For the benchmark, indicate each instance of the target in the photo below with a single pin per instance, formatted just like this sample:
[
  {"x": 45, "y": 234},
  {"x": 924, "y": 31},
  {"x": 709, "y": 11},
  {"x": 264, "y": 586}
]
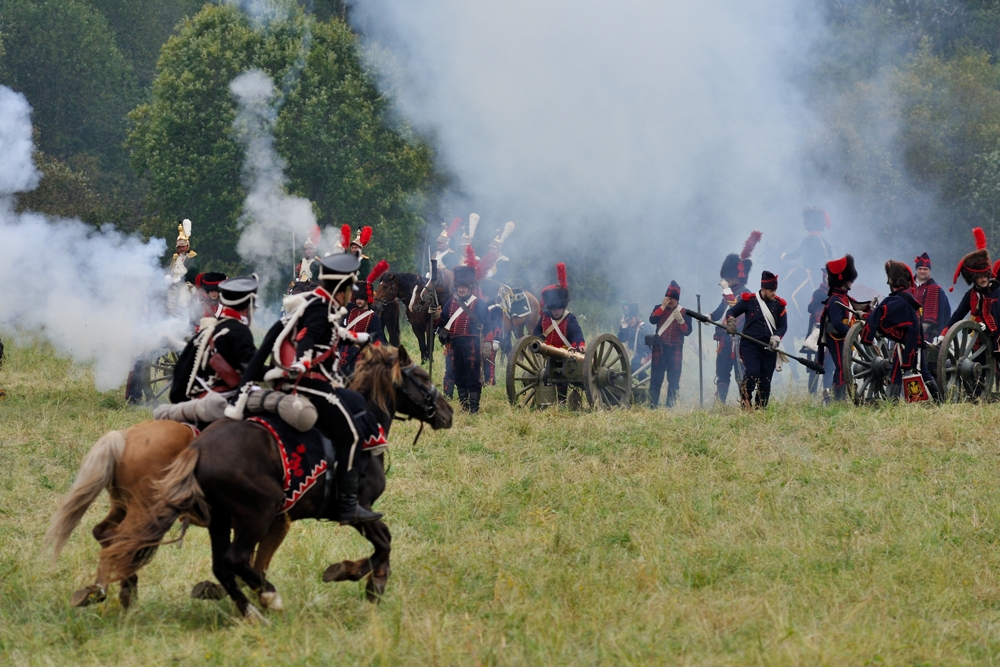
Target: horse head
[
  {"x": 387, "y": 292},
  {"x": 388, "y": 377}
]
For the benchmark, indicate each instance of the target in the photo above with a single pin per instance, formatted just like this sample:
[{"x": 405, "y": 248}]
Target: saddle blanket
[
  {"x": 519, "y": 306},
  {"x": 301, "y": 454}
]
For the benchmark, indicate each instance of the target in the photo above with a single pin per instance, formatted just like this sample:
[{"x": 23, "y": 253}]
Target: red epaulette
[
  {"x": 781, "y": 301},
  {"x": 748, "y": 295}
]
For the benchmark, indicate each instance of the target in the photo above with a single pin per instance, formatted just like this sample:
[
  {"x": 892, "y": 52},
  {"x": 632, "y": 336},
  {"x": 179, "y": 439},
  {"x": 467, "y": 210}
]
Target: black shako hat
[{"x": 237, "y": 292}]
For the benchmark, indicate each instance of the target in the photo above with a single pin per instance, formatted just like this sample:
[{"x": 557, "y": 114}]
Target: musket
[
  {"x": 432, "y": 286},
  {"x": 811, "y": 365}
]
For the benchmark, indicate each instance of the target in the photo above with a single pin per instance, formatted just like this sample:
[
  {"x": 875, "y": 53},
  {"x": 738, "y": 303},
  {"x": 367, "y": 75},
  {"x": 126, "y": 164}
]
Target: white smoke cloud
[
  {"x": 271, "y": 217},
  {"x": 667, "y": 129},
  {"x": 94, "y": 294}
]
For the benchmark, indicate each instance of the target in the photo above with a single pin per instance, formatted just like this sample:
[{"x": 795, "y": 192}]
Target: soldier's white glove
[
  {"x": 676, "y": 315},
  {"x": 496, "y": 345},
  {"x": 775, "y": 342},
  {"x": 982, "y": 325}
]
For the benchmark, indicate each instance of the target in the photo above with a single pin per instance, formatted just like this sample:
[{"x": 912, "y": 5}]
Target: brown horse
[
  {"x": 126, "y": 463},
  {"x": 231, "y": 478},
  {"x": 405, "y": 288}
]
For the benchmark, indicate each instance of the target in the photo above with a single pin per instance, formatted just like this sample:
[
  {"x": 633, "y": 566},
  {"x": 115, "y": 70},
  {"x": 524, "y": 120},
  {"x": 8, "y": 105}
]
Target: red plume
[
  {"x": 366, "y": 235},
  {"x": 470, "y": 257},
  {"x": 377, "y": 272},
  {"x": 454, "y": 226},
  {"x": 315, "y": 234},
  {"x": 345, "y": 237},
  {"x": 487, "y": 262},
  {"x": 750, "y": 244},
  {"x": 561, "y": 274},
  {"x": 980, "y": 238}
]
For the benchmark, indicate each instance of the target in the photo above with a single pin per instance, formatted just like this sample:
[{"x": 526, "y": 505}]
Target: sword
[{"x": 811, "y": 365}]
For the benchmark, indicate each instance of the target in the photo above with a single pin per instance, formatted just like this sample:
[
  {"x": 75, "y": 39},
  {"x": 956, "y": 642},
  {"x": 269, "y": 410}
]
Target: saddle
[
  {"x": 305, "y": 458},
  {"x": 514, "y": 301}
]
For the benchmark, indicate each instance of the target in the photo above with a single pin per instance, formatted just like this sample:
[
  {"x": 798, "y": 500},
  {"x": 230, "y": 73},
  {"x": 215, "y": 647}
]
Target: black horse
[
  {"x": 231, "y": 477},
  {"x": 405, "y": 288}
]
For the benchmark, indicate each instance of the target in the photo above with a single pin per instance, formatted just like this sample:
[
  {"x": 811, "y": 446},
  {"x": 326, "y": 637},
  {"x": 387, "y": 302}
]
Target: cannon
[
  {"x": 536, "y": 370},
  {"x": 963, "y": 364},
  {"x": 867, "y": 368}
]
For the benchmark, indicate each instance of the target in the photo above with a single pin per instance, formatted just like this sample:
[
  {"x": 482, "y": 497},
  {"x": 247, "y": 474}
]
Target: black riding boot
[
  {"x": 722, "y": 391},
  {"x": 348, "y": 509},
  {"x": 463, "y": 398},
  {"x": 474, "y": 395}
]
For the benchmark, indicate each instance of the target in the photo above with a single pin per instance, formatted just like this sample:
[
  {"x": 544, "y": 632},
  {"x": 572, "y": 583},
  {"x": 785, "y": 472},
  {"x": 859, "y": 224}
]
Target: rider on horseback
[{"x": 304, "y": 346}]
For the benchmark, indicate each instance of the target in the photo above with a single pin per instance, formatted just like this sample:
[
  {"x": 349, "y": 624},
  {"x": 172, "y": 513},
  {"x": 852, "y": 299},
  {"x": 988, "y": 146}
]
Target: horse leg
[
  {"x": 103, "y": 532},
  {"x": 130, "y": 588},
  {"x": 269, "y": 597},
  {"x": 375, "y": 567},
  {"x": 218, "y": 531}
]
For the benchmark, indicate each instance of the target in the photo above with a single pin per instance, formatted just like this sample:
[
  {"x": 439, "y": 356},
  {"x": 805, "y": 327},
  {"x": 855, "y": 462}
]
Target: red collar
[
  {"x": 322, "y": 293},
  {"x": 226, "y": 311}
]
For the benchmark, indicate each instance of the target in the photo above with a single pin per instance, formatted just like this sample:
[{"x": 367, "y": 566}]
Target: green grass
[{"x": 803, "y": 535}]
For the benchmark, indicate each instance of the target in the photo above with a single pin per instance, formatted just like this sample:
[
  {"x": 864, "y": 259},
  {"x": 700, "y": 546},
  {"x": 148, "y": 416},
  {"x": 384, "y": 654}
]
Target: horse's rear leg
[
  {"x": 130, "y": 589},
  {"x": 269, "y": 597},
  {"x": 104, "y": 532},
  {"x": 232, "y": 559}
]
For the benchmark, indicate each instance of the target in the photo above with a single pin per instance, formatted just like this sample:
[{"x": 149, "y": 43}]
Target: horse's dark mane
[
  {"x": 377, "y": 375},
  {"x": 406, "y": 283}
]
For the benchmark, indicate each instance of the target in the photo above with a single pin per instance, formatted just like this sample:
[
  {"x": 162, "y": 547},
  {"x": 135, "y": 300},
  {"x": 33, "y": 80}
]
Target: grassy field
[{"x": 803, "y": 535}]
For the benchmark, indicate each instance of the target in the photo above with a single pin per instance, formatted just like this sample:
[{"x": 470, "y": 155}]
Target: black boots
[
  {"x": 463, "y": 398},
  {"x": 348, "y": 509},
  {"x": 474, "y": 401}
]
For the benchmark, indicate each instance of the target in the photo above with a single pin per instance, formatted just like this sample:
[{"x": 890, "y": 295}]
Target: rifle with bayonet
[{"x": 811, "y": 365}]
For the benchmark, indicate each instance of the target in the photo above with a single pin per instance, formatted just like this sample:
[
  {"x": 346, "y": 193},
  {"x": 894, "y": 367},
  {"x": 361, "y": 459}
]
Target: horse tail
[
  {"x": 97, "y": 471},
  {"x": 177, "y": 493}
]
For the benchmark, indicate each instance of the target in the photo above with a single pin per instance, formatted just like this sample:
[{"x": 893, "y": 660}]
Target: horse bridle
[
  {"x": 393, "y": 295},
  {"x": 427, "y": 400}
]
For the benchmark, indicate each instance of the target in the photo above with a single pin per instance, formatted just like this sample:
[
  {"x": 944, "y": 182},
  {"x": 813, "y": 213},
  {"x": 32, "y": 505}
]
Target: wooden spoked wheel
[
  {"x": 640, "y": 383},
  {"x": 607, "y": 374},
  {"x": 966, "y": 369},
  {"x": 525, "y": 373},
  {"x": 866, "y": 367},
  {"x": 158, "y": 375}
]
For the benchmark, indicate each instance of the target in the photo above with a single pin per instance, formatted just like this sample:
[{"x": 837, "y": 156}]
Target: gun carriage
[{"x": 536, "y": 369}]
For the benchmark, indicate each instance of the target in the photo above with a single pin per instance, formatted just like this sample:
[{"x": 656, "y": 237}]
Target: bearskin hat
[
  {"x": 975, "y": 263},
  {"x": 737, "y": 267},
  {"x": 841, "y": 271},
  {"x": 630, "y": 310},
  {"x": 465, "y": 275},
  {"x": 209, "y": 281},
  {"x": 557, "y": 296},
  {"x": 899, "y": 274},
  {"x": 815, "y": 219}
]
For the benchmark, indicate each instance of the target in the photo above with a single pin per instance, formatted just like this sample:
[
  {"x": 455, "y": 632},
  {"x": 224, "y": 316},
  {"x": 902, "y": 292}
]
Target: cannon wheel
[
  {"x": 158, "y": 375},
  {"x": 524, "y": 373},
  {"x": 866, "y": 367},
  {"x": 640, "y": 383},
  {"x": 965, "y": 365},
  {"x": 607, "y": 375}
]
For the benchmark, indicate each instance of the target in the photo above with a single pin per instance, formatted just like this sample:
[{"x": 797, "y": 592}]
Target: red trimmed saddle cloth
[{"x": 302, "y": 457}]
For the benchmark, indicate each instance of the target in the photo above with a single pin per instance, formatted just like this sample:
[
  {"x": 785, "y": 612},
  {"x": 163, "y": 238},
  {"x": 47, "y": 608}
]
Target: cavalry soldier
[
  {"x": 207, "y": 289},
  {"x": 443, "y": 256},
  {"x": 307, "y": 270},
  {"x": 184, "y": 268},
  {"x": 766, "y": 320},
  {"x": 465, "y": 256},
  {"x": 835, "y": 321},
  {"x": 982, "y": 301},
  {"x": 496, "y": 248},
  {"x": 362, "y": 319},
  {"x": 931, "y": 297},
  {"x": 898, "y": 319},
  {"x": 672, "y": 324},
  {"x": 358, "y": 245},
  {"x": 215, "y": 358},
  {"x": 632, "y": 332},
  {"x": 307, "y": 340},
  {"x": 814, "y": 251},
  {"x": 735, "y": 269},
  {"x": 465, "y": 323}
]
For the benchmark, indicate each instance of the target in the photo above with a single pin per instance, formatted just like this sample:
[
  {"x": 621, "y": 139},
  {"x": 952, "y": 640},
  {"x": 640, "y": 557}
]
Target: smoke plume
[{"x": 95, "y": 295}]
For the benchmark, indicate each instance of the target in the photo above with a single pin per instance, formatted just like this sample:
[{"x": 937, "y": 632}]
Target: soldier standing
[
  {"x": 362, "y": 319},
  {"x": 184, "y": 268},
  {"x": 898, "y": 319},
  {"x": 357, "y": 246},
  {"x": 982, "y": 301},
  {"x": 557, "y": 326},
  {"x": 672, "y": 324},
  {"x": 215, "y": 358},
  {"x": 811, "y": 345},
  {"x": 766, "y": 320},
  {"x": 307, "y": 270},
  {"x": 735, "y": 269},
  {"x": 836, "y": 320},
  {"x": 464, "y": 320},
  {"x": 632, "y": 332},
  {"x": 936, "y": 310}
]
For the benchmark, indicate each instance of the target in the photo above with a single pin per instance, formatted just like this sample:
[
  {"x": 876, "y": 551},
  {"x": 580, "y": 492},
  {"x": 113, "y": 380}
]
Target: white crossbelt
[
  {"x": 359, "y": 318},
  {"x": 768, "y": 316},
  {"x": 459, "y": 311},
  {"x": 555, "y": 327},
  {"x": 665, "y": 325}
]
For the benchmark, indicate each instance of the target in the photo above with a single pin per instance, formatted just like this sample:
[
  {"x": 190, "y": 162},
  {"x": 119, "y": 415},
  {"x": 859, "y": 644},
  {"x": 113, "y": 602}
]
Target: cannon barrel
[{"x": 538, "y": 347}]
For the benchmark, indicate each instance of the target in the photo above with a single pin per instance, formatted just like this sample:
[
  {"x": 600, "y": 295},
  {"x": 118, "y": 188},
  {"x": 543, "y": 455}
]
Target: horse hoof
[
  {"x": 253, "y": 615},
  {"x": 375, "y": 590},
  {"x": 208, "y": 590},
  {"x": 336, "y": 572},
  {"x": 88, "y": 595},
  {"x": 125, "y": 598},
  {"x": 271, "y": 601}
]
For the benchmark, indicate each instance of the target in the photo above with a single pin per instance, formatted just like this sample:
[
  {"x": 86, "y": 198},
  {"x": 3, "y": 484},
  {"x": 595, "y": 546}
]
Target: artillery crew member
[
  {"x": 814, "y": 251},
  {"x": 766, "y": 320},
  {"x": 307, "y": 270},
  {"x": 812, "y": 342},
  {"x": 982, "y": 301},
  {"x": 836, "y": 320},
  {"x": 672, "y": 324},
  {"x": 735, "y": 269},
  {"x": 936, "y": 310},
  {"x": 898, "y": 319},
  {"x": 215, "y": 358},
  {"x": 362, "y": 319},
  {"x": 632, "y": 332},
  {"x": 207, "y": 285},
  {"x": 464, "y": 323},
  {"x": 557, "y": 326}
]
